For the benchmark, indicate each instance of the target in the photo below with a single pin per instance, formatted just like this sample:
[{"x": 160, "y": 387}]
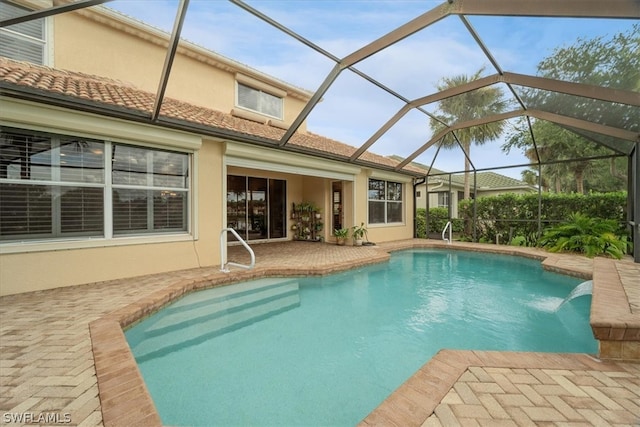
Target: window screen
[{"x": 259, "y": 101}]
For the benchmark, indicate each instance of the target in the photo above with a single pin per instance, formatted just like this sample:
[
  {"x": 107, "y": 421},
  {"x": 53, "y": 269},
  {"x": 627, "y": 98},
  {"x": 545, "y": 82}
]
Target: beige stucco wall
[
  {"x": 86, "y": 46},
  {"x": 383, "y": 232},
  {"x": 118, "y": 54}
]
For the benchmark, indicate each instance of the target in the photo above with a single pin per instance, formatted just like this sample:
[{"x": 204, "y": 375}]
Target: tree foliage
[
  {"x": 471, "y": 105},
  {"x": 609, "y": 62}
]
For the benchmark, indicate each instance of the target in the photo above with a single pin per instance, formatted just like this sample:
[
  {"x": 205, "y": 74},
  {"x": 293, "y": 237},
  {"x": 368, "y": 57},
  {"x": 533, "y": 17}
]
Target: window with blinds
[
  {"x": 385, "y": 202},
  {"x": 25, "y": 41},
  {"x": 150, "y": 189},
  {"x": 259, "y": 101},
  {"x": 54, "y": 186}
]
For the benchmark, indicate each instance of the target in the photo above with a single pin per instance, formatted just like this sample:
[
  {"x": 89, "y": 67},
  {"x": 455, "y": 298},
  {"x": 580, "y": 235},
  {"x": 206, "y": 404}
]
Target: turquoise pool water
[{"x": 327, "y": 350}]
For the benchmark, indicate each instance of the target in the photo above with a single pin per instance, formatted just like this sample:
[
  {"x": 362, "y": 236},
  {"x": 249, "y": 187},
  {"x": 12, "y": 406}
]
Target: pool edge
[{"x": 125, "y": 399}]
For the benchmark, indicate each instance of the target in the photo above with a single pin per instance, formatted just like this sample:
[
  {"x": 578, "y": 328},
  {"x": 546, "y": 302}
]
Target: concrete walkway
[{"x": 63, "y": 358}]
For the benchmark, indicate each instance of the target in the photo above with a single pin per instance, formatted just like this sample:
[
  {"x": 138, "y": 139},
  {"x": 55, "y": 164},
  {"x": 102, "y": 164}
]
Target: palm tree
[
  {"x": 468, "y": 106},
  {"x": 556, "y": 143}
]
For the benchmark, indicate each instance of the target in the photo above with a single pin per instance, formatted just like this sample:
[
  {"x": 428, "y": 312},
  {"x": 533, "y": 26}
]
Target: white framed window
[
  {"x": 259, "y": 101},
  {"x": 59, "y": 187},
  {"x": 26, "y": 41},
  {"x": 443, "y": 199},
  {"x": 385, "y": 202},
  {"x": 150, "y": 190}
]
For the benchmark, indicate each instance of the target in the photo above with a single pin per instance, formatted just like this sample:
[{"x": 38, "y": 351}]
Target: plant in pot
[
  {"x": 341, "y": 235},
  {"x": 359, "y": 232}
]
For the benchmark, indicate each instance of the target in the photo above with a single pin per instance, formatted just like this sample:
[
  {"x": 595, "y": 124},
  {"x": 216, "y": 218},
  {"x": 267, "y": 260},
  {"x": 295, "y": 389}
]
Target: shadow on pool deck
[{"x": 50, "y": 362}]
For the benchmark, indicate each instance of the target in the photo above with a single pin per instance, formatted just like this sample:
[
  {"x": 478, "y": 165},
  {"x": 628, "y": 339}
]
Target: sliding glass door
[{"x": 256, "y": 207}]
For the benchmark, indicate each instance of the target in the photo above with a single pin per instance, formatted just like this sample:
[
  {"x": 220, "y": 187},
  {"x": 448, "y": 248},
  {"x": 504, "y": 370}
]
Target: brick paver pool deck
[{"x": 64, "y": 359}]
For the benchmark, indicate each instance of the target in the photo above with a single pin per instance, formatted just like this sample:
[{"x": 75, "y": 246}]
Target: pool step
[{"x": 203, "y": 315}]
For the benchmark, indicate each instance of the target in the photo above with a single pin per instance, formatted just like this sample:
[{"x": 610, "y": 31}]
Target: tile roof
[
  {"x": 496, "y": 180},
  {"x": 484, "y": 180},
  {"x": 105, "y": 92}
]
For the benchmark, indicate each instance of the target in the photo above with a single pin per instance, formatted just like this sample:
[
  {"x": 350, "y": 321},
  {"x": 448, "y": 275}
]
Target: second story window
[
  {"x": 25, "y": 41},
  {"x": 260, "y": 101}
]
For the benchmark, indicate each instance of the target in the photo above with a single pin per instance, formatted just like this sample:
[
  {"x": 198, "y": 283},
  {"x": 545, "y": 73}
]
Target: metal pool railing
[{"x": 223, "y": 251}]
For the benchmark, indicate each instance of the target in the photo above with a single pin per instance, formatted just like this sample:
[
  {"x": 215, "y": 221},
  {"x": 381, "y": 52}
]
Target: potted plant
[
  {"x": 341, "y": 235},
  {"x": 359, "y": 231}
]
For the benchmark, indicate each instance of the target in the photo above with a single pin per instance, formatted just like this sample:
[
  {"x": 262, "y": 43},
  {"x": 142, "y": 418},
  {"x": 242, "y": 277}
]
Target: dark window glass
[
  {"x": 277, "y": 208},
  {"x": 52, "y": 186},
  {"x": 385, "y": 201},
  {"x": 159, "y": 200},
  {"x": 256, "y": 207}
]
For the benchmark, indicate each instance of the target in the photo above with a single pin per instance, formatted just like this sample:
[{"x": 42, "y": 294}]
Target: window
[
  {"x": 25, "y": 41},
  {"x": 443, "y": 199},
  {"x": 461, "y": 195},
  {"x": 150, "y": 190},
  {"x": 259, "y": 101},
  {"x": 385, "y": 202},
  {"x": 54, "y": 186}
]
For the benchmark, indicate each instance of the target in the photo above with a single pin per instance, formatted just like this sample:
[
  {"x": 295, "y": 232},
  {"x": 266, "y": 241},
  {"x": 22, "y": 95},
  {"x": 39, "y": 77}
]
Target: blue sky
[{"x": 353, "y": 109}]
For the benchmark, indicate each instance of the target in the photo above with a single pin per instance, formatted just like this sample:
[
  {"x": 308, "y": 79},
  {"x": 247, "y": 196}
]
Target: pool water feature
[{"x": 327, "y": 350}]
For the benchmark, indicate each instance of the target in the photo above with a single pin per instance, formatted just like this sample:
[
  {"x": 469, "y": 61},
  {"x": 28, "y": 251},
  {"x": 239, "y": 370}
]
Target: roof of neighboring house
[
  {"x": 110, "y": 96},
  {"x": 496, "y": 180},
  {"x": 484, "y": 180}
]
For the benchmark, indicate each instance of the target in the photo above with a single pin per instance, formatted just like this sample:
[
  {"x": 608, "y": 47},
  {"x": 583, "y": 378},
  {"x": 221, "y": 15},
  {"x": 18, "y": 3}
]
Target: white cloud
[{"x": 352, "y": 109}]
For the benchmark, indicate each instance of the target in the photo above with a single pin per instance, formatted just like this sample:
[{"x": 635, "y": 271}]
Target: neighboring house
[
  {"x": 92, "y": 189},
  {"x": 444, "y": 192}
]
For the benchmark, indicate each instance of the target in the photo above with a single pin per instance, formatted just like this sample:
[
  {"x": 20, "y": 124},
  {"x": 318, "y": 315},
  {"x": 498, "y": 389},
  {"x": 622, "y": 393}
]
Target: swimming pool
[{"x": 328, "y": 350}]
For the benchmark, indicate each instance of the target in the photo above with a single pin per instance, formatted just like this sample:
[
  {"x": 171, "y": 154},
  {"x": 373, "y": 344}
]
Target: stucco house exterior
[
  {"x": 90, "y": 190},
  {"x": 446, "y": 190}
]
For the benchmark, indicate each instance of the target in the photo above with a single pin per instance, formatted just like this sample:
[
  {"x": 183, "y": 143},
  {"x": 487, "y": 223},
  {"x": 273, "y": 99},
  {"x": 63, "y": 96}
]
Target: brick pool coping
[{"x": 125, "y": 399}]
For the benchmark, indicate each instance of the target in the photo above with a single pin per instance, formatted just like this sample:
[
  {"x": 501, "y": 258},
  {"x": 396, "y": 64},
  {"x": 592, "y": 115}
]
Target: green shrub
[
  {"x": 438, "y": 218},
  {"x": 590, "y": 236},
  {"x": 512, "y": 215},
  {"x": 519, "y": 241}
]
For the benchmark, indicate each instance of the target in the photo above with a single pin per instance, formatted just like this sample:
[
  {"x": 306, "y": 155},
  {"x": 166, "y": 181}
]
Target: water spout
[{"x": 584, "y": 288}]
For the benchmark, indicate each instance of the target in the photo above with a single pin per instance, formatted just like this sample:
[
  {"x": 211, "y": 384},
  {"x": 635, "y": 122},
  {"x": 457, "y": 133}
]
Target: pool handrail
[
  {"x": 445, "y": 230},
  {"x": 223, "y": 251}
]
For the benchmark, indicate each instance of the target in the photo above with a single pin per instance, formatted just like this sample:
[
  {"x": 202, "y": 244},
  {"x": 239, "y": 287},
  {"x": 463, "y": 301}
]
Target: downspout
[
  {"x": 417, "y": 182},
  {"x": 450, "y": 199},
  {"x": 539, "y": 199},
  {"x": 427, "y": 219},
  {"x": 475, "y": 206}
]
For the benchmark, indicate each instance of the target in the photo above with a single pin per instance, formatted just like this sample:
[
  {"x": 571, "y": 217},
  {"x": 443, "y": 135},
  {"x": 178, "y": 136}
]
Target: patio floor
[{"x": 63, "y": 357}]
